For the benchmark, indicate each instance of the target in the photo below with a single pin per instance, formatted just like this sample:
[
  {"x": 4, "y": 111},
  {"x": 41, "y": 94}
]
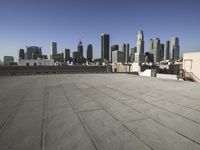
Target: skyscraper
[
  {"x": 21, "y": 54},
  {"x": 67, "y": 55},
  {"x": 140, "y": 42},
  {"x": 114, "y": 48},
  {"x": 132, "y": 56},
  {"x": 151, "y": 44},
  {"x": 126, "y": 52},
  {"x": 174, "y": 48},
  {"x": 53, "y": 50},
  {"x": 139, "y": 56},
  {"x": 162, "y": 52},
  {"x": 117, "y": 56},
  {"x": 154, "y": 48},
  {"x": 33, "y": 52},
  {"x": 105, "y": 46},
  {"x": 80, "y": 49},
  {"x": 76, "y": 57},
  {"x": 89, "y": 52},
  {"x": 167, "y": 50}
]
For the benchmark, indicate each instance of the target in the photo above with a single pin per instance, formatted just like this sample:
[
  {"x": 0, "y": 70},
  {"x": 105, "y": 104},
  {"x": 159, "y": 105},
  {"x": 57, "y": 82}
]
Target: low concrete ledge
[{"x": 167, "y": 76}]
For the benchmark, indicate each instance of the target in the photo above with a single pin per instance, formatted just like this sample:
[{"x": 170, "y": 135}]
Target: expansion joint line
[
  {"x": 79, "y": 117},
  {"x": 121, "y": 122},
  {"x": 12, "y": 114},
  {"x": 43, "y": 136}
]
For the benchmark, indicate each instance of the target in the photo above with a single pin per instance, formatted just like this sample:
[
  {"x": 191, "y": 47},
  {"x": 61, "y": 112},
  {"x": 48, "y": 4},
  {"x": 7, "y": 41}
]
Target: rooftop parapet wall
[{"x": 30, "y": 70}]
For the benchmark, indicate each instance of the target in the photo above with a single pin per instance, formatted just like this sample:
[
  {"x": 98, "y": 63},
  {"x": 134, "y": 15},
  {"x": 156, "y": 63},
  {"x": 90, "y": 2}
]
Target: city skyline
[{"x": 39, "y": 23}]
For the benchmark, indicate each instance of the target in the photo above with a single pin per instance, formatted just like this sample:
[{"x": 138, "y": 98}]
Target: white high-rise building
[
  {"x": 174, "y": 48},
  {"x": 140, "y": 42},
  {"x": 139, "y": 56}
]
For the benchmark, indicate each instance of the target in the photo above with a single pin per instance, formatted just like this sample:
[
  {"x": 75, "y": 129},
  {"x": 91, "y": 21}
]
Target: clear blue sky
[{"x": 39, "y": 22}]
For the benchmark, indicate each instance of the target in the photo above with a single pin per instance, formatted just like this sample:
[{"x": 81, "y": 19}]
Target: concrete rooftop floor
[{"x": 98, "y": 112}]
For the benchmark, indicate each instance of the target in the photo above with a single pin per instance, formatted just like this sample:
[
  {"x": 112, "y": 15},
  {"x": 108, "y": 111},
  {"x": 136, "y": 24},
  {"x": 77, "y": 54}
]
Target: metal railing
[
  {"x": 192, "y": 75},
  {"x": 187, "y": 76}
]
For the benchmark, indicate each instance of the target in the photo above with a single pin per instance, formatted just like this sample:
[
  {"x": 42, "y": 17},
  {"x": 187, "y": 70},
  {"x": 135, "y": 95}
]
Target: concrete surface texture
[{"x": 98, "y": 112}]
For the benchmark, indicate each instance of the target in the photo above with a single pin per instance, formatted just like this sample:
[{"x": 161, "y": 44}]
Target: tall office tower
[
  {"x": 162, "y": 52},
  {"x": 117, "y": 56},
  {"x": 76, "y": 57},
  {"x": 89, "y": 52},
  {"x": 53, "y": 50},
  {"x": 21, "y": 54},
  {"x": 114, "y": 48},
  {"x": 154, "y": 48},
  {"x": 139, "y": 56},
  {"x": 132, "y": 56},
  {"x": 167, "y": 50},
  {"x": 140, "y": 42},
  {"x": 126, "y": 52},
  {"x": 67, "y": 55},
  {"x": 62, "y": 57},
  {"x": 151, "y": 44},
  {"x": 80, "y": 49},
  {"x": 33, "y": 52},
  {"x": 124, "y": 47},
  {"x": 174, "y": 48},
  {"x": 105, "y": 46}
]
